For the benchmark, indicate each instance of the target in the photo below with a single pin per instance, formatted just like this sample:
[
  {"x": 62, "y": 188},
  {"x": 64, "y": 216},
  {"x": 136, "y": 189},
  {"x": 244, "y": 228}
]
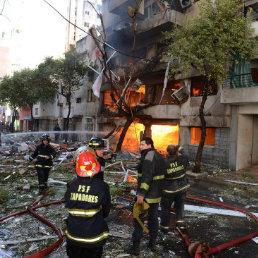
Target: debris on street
[{"x": 24, "y": 235}]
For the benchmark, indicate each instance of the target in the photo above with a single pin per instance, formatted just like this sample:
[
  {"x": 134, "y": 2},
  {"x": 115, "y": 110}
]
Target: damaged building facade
[{"x": 172, "y": 117}]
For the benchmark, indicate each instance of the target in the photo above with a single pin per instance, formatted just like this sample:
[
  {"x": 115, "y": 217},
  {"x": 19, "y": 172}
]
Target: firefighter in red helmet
[{"x": 88, "y": 202}]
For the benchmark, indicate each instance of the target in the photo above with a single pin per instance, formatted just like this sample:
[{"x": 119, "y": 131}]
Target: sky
[{"x": 34, "y": 30}]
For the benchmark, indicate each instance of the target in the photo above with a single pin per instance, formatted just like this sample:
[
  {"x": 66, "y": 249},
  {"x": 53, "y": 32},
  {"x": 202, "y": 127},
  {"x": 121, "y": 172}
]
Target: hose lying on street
[
  {"x": 30, "y": 209},
  {"x": 199, "y": 248}
]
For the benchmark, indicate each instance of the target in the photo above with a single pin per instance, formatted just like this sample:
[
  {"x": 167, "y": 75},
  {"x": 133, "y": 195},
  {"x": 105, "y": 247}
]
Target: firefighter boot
[{"x": 133, "y": 249}]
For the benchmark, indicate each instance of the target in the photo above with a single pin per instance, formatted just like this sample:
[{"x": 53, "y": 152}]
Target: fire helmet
[
  {"x": 87, "y": 165},
  {"x": 96, "y": 143},
  {"x": 45, "y": 137}
]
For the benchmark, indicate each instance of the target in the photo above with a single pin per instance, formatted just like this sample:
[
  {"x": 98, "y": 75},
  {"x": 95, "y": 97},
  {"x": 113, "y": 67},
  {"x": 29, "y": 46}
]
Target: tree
[
  {"x": 27, "y": 87},
  {"x": 68, "y": 75},
  {"x": 210, "y": 43}
]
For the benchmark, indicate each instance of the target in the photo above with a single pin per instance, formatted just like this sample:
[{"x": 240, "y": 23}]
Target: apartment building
[
  {"x": 240, "y": 92},
  {"x": 174, "y": 119}
]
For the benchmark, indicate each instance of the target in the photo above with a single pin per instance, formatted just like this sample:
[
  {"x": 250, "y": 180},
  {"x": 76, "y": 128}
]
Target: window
[
  {"x": 86, "y": 24},
  {"x": 36, "y": 111},
  {"x": 90, "y": 97},
  {"x": 167, "y": 98},
  {"x": 87, "y": 12},
  {"x": 78, "y": 100},
  {"x": 196, "y": 136},
  {"x": 197, "y": 86},
  {"x": 254, "y": 72}
]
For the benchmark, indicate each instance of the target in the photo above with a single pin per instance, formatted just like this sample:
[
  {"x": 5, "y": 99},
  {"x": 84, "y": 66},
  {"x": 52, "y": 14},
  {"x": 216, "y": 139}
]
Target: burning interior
[{"x": 162, "y": 136}]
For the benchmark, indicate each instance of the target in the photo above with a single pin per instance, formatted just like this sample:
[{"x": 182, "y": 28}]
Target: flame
[
  {"x": 132, "y": 137},
  {"x": 164, "y": 135},
  {"x": 196, "y": 92},
  {"x": 131, "y": 179},
  {"x": 196, "y": 136},
  {"x": 141, "y": 89}
]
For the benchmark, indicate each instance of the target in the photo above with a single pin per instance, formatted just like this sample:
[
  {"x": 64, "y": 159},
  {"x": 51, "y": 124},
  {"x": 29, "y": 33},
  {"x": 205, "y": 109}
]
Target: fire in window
[
  {"x": 135, "y": 97},
  {"x": 196, "y": 136},
  {"x": 167, "y": 98},
  {"x": 108, "y": 102},
  {"x": 197, "y": 86},
  {"x": 164, "y": 135}
]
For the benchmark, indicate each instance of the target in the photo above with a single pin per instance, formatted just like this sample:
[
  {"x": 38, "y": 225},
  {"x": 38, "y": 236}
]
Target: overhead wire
[{"x": 102, "y": 42}]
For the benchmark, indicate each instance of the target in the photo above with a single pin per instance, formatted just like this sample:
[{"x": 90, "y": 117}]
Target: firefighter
[
  {"x": 175, "y": 187},
  {"x": 97, "y": 144},
  {"x": 45, "y": 154},
  {"x": 87, "y": 199},
  {"x": 151, "y": 172}
]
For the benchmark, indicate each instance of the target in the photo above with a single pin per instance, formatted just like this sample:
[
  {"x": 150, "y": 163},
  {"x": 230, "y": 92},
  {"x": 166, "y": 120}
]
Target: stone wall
[{"x": 217, "y": 155}]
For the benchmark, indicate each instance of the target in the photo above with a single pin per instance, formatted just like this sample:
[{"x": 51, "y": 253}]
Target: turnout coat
[
  {"x": 88, "y": 202},
  {"x": 151, "y": 176}
]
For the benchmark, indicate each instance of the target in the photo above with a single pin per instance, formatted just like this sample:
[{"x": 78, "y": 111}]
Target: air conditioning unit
[
  {"x": 180, "y": 94},
  {"x": 185, "y": 3}
]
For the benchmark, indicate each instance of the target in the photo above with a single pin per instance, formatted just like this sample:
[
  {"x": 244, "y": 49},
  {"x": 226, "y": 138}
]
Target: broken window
[
  {"x": 197, "y": 86},
  {"x": 132, "y": 97},
  {"x": 135, "y": 97},
  {"x": 196, "y": 136},
  {"x": 167, "y": 98},
  {"x": 108, "y": 102}
]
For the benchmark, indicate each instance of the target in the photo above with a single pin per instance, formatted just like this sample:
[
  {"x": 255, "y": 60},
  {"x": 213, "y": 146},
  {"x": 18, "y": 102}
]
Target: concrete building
[
  {"x": 82, "y": 14},
  {"x": 241, "y": 94},
  {"x": 175, "y": 120},
  {"x": 231, "y": 113}
]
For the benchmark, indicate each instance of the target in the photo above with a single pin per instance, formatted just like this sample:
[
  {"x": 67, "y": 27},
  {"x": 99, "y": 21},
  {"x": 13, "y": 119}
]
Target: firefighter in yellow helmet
[{"x": 88, "y": 202}]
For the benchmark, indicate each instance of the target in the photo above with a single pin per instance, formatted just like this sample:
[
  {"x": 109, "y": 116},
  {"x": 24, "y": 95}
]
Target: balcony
[{"x": 239, "y": 96}]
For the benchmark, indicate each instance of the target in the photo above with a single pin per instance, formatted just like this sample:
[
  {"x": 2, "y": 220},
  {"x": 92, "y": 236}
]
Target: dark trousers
[
  {"x": 166, "y": 202},
  {"x": 43, "y": 174},
  {"x": 153, "y": 224},
  {"x": 74, "y": 251}
]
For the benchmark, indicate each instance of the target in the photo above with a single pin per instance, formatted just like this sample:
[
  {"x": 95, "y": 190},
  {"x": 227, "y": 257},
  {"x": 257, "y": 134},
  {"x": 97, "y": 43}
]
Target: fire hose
[
  {"x": 30, "y": 209},
  {"x": 203, "y": 250}
]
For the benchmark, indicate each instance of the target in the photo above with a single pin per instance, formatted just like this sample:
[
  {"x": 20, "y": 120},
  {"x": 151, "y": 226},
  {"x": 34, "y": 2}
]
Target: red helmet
[{"x": 87, "y": 165}]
